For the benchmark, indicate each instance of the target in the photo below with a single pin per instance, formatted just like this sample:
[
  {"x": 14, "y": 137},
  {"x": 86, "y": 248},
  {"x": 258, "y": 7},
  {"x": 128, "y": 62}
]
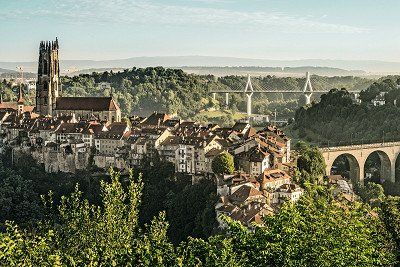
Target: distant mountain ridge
[
  {"x": 373, "y": 66},
  {"x": 276, "y": 71},
  {"x": 6, "y": 71}
]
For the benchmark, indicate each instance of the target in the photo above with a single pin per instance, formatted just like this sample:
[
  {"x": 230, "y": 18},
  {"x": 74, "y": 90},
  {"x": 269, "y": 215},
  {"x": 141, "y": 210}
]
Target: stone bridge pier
[{"x": 358, "y": 154}]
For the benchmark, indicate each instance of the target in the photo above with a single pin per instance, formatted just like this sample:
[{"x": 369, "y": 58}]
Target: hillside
[
  {"x": 142, "y": 91},
  {"x": 338, "y": 121}
]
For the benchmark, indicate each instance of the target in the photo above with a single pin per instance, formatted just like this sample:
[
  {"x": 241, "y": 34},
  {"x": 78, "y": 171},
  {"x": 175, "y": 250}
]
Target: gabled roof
[
  {"x": 86, "y": 103},
  {"x": 254, "y": 154},
  {"x": 115, "y": 130},
  {"x": 13, "y": 106},
  {"x": 240, "y": 127},
  {"x": 272, "y": 175},
  {"x": 244, "y": 193},
  {"x": 156, "y": 119},
  {"x": 197, "y": 142}
]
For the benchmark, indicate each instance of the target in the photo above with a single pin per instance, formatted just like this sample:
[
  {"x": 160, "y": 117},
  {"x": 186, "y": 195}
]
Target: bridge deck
[
  {"x": 279, "y": 91},
  {"x": 357, "y": 147}
]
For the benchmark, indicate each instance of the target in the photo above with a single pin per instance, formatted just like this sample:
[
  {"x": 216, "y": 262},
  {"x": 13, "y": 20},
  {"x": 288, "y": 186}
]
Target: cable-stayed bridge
[{"x": 250, "y": 87}]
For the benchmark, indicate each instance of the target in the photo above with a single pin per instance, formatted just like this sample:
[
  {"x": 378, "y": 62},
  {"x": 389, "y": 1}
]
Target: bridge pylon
[
  {"x": 249, "y": 91},
  {"x": 307, "y": 89}
]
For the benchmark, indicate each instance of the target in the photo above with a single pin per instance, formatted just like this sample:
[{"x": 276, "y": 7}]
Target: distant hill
[
  {"x": 371, "y": 66},
  {"x": 90, "y": 71},
  {"x": 6, "y": 71},
  {"x": 15, "y": 74},
  {"x": 264, "y": 71}
]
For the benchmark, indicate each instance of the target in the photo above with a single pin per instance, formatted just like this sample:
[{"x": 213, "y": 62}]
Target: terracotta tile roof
[
  {"x": 253, "y": 212},
  {"x": 227, "y": 208},
  {"x": 116, "y": 130},
  {"x": 156, "y": 119},
  {"x": 13, "y": 106},
  {"x": 271, "y": 175},
  {"x": 254, "y": 154},
  {"x": 192, "y": 141},
  {"x": 117, "y": 127},
  {"x": 86, "y": 103},
  {"x": 244, "y": 193}
]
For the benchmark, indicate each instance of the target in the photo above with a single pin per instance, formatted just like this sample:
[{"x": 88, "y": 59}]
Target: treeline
[
  {"x": 337, "y": 120},
  {"x": 143, "y": 90}
]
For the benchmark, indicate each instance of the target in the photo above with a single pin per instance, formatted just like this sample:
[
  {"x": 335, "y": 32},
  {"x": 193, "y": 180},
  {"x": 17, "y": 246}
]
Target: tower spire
[{"x": 20, "y": 96}]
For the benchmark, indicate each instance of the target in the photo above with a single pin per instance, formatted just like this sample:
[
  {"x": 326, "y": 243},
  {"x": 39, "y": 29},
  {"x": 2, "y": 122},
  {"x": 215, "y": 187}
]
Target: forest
[
  {"x": 337, "y": 120},
  {"x": 102, "y": 224},
  {"x": 142, "y": 90}
]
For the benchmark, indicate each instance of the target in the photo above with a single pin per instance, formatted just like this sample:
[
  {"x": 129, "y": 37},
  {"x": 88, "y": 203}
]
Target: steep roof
[
  {"x": 244, "y": 193},
  {"x": 156, "y": 119},
  {"x": 197, "y": 142},
  {"x": 13, "y": 106},
  {"x": 272, "y": 175},
  {"x": 86, "y": 103}
]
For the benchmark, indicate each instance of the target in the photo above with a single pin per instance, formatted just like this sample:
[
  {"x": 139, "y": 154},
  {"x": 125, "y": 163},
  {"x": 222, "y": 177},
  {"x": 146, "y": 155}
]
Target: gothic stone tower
[{"x": 48, "y": 82}]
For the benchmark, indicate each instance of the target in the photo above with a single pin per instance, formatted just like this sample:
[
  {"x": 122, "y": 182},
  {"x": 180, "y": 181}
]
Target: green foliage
[
  {"x": 223, "y": 164},
  {"x": 191, "y": 211},
  {"x": 390, "y": 213},
  {"x": 369, "y": 193},
  {"x": 374, "y": 89},
  {"x": 140, "y": 91},
  {"x": 317, "y": 231},
  {"x": 310, "y": 163},
  {"x": 18, "y": 202},
  {"x": 22, "y": 186},
  {"x": 20, "y": 249},
  {"x": 335, "y": 120}
]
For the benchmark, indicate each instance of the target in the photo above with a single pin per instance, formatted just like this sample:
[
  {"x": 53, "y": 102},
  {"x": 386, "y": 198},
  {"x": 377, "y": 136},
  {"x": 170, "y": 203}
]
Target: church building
[{"x": 48, "y": 91}]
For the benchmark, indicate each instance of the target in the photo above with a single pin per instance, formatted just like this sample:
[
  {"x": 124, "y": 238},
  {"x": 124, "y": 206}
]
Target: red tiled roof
[
  {"x": 244, "y": 193},
  {"x": 271, "y": 175},
  {"x": 156, "y": 119},
  {"x": 86, "y": 103},
  {"x": 14, "y": 106}
]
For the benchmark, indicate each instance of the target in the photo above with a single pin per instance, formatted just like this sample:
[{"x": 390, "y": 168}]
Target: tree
[
  {"x": 86, "y": 234},
  {"x": 371, "y": 192},
  {"x": 223, "y": 164},
  {"x": 191, "y": 211},
  {"x": 310, "y": 163},
  {"x": 390, "y": 213},
  {"x": 18, "y": 202}
]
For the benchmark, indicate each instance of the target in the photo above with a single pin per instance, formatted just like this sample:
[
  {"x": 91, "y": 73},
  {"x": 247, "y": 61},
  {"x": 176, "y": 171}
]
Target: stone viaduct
[{"x": 358, "y": 154}]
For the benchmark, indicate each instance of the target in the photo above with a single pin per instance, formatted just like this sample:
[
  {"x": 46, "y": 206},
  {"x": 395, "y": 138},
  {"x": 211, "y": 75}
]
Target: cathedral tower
[{"x": 48, "y": 82}]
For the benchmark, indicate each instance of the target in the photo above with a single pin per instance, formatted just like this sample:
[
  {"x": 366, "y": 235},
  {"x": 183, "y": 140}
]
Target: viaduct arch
[{"x": 358, "y": 154}]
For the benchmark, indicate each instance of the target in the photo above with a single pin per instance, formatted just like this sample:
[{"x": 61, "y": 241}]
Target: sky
[{"x": 264, "y": 29}]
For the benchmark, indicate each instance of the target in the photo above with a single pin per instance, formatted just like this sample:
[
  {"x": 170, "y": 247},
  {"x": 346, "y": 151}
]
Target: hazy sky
[{"x": 271, "y": 29}]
